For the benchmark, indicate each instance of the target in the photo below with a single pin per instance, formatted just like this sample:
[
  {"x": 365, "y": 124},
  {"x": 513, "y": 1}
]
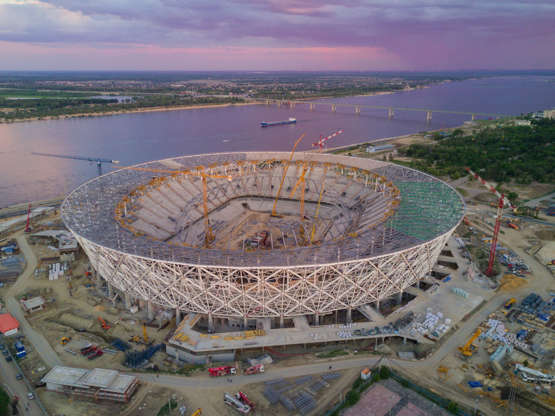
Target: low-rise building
[
  {"x": 379, "y": 148},
  {"x": 8, "y": 325},
  {"x": 33, "y": 304},
  {"x": 97, "y": 384}
]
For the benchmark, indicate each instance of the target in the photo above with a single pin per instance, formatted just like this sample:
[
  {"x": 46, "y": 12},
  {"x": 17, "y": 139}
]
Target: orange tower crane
[{"x": 200, "y": 171}]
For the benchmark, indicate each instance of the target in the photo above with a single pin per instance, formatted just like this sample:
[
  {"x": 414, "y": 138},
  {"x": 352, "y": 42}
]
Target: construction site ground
[{"x": 200, "y": 390}]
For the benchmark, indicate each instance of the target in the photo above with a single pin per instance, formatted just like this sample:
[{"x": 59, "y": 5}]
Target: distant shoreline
[
  {"x": 130, "y": 111},
  {"x": 191, "y": 107}
]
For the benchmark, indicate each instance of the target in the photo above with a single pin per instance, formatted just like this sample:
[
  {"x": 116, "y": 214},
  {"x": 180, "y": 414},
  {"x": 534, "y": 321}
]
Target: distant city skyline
[{"x": 401, "y": 35}]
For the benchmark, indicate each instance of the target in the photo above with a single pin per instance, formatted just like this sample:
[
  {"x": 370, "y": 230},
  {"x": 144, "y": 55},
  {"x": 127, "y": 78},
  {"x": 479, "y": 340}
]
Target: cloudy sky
[{"x": 277, "y": 34}]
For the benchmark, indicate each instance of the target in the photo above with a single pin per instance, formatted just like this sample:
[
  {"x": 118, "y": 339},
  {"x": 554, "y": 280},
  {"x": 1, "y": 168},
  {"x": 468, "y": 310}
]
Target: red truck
[
  {"x": 255, "y": 369},
  {"x": 243, "y": 398},
  {"x": 222, "y": 371}
]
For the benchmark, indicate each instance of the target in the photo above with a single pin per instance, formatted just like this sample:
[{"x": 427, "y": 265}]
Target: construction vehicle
[
  {"x": 103, "y": 324},
  {"x": 87, "y": 349},
  {"x": 236, "y": 404},
  {"x": 65, "y": 340},
  {"x": 534, "y": 376},
  {"x": 501, "y": 203},
  {"x": 255, "y": 369},
  {"x": 225, "y": 370},
  {"x": 91, "y": 349},
  {"x": 242, "y": 397},
  {"x": 197, "y": 412},
  {"x": 512, "y": 225},
  {"x": 509, "y": 304},
  {"x": 443, "y": 370},
  {"x": 98, "y": 160},
  {"x": 95, "y": 354},
  {"x": 468, "y": 349}
]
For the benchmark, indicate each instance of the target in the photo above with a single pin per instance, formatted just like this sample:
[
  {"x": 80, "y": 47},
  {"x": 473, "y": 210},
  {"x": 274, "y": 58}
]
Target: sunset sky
[{"x": 276, "y": 34}]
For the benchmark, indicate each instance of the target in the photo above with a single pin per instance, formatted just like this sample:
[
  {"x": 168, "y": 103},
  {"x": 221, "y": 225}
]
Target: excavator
[
  {"x": 468, "y": 349},
  {"x": 103, "y": 324},
  {"x": 197, "y": 412}
]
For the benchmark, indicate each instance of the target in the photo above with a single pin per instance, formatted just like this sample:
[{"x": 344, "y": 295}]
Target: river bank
[
  {"x": 194, "y": 107},
  {"x": 130, "y": 111}
]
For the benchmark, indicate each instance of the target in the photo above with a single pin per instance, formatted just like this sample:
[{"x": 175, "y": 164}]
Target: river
[{"x": 137, "y": 137}]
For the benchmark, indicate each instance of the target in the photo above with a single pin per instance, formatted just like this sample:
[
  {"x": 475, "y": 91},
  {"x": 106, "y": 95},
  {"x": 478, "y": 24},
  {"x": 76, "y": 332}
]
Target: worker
[{"x": 330, "y": 367}]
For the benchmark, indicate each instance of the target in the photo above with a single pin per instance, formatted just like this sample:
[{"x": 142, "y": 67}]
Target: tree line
[{"x": 504, "y": 153}]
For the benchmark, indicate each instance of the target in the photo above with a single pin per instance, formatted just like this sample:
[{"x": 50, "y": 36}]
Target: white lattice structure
[{"x": 380, "y": 228}]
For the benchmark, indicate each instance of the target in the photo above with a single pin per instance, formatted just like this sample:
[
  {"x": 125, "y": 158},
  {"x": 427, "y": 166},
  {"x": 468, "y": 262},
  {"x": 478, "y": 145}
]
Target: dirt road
[{"x": 40, "y": 343}]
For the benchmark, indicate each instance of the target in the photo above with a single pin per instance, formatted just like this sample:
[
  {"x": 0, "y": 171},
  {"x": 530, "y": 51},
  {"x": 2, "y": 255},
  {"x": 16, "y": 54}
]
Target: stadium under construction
[{"x": 273, "y": 244}]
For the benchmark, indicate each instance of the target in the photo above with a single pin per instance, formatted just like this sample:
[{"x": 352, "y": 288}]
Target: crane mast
[{"x": 501, "y": 203}]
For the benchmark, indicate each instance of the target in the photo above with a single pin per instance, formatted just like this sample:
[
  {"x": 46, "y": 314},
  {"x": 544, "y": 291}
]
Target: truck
[
  {"x": 236, "y": 404},
  {"x": 242, "y": 397},
  {"x": 225, "y": 370},
  {"x": 255, "y": 369},
  {"x": 20, "y": 349}
]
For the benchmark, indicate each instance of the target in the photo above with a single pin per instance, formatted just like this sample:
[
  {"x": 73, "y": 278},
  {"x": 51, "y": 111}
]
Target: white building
[{"x": 98, "y": 384}]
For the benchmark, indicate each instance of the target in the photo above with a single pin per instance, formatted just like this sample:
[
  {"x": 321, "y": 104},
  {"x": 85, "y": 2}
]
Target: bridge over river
[{"x": 313, "y": 105}]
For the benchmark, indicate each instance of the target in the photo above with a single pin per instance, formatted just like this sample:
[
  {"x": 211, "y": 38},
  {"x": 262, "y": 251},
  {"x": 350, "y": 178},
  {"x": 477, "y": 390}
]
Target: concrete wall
[
  {"x": 54, "y": 387},
  {"x": 198, "y": 359}
]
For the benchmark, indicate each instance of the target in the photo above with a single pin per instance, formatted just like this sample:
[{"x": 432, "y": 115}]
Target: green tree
[
  {"x": 352, "y": 397},
  {"x": 4, "y": 403}
]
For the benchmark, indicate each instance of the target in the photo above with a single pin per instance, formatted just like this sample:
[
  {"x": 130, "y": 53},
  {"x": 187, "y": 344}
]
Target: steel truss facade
[
  {"x": 264, "y": 292},
  {"x": 335, "y": 275}
]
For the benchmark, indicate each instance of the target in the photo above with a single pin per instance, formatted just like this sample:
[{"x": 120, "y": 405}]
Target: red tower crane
[
  {"x": 322, "y": 140},
  {"x": 502, "y": 202},
  {"x": 28, "y": 225}
]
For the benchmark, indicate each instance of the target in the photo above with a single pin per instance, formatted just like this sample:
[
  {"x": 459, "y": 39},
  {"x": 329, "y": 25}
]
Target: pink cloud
[{"x": 145, "y": 57}]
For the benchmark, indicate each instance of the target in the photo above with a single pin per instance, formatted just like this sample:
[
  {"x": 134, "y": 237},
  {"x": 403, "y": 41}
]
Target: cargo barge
[{"x": 278, "y": 123}]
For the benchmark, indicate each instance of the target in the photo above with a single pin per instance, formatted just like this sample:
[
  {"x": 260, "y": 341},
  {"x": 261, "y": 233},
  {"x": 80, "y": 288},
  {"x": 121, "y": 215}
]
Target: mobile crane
[{"x": 468, "y": 349}]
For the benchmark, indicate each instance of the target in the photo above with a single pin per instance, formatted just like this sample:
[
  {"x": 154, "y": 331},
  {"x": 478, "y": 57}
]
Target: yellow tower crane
[
  {"x": 285, "y": 168},
  {"x": 200, "y": 171},
  {"x": 318, "y": 204},
  {"x": 145, "y": 335}
]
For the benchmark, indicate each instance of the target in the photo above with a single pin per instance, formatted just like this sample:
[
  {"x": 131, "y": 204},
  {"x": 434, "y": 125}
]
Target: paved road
[
  {"x": 8, "y": 372},
  {"x": 535, "y": 202}
]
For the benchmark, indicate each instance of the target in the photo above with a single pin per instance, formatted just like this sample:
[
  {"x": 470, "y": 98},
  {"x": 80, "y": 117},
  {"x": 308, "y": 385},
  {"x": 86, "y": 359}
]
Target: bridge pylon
[
  {"x": 333, "y": 108},
  {"x": 311, "y": 106},
  {"x": 473, "y": 117},
  {"x": 357, "y": 109},
  {"x": 428, "y": 116},
  {"x": 390, "y": 113}
]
